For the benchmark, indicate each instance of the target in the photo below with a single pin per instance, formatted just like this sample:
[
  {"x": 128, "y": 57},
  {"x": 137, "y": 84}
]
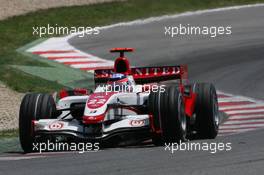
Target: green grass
[
  {"x": 9, "y": 141},
  {"x": 8, "y": 133},
  {"x": 23, "y": 82},
  {"x": 17, "y": 31}
]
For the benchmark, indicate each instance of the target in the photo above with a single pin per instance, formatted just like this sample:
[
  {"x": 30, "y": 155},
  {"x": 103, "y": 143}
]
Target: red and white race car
[{"x": 128, "y": 106}]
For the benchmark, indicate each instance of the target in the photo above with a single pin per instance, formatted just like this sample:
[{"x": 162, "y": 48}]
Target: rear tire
[
  {"x": 169, "y": 115},
  {"x": 206, "y": 110},
  {"x": 33, "y": 107}
]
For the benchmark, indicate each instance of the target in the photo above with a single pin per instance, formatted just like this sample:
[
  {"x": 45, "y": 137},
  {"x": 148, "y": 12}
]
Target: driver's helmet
[{"x": 119, "y": 82}]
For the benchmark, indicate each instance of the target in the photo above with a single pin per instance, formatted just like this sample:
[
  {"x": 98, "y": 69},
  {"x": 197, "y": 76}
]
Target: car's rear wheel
[
  {"x": 206, "y": 111},
  {"x": 169, "y": 115},
  {"x": 33, "y": 107}
]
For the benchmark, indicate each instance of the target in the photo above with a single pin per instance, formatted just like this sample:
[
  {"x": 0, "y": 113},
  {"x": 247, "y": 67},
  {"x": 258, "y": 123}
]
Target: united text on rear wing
[{"x": 144, "y": 75}]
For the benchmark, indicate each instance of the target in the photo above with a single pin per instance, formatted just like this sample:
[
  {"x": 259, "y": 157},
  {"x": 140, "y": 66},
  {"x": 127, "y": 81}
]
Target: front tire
[
  {"x": 169, "y": 115},
  {"x": 33, "y": 107},
  {"x": 206, "y": 110}
]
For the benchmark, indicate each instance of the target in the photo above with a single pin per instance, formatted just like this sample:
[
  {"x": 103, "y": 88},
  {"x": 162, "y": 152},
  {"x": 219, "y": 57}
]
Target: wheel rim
[
  {"x": 182, "y": 115},
  {"x": 215, "y": 108}
]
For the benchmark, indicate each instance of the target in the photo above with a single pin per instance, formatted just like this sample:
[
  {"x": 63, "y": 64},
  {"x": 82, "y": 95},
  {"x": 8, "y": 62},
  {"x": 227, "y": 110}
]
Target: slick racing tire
[
  {"x": 206, "y": 111},
  {"x": 168, "y": 112},
  {"x": 33, "y": 107},
  {"x": 153, "y": 105}
]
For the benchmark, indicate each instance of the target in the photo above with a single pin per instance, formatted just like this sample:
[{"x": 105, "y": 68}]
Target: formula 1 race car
[{"x": 128, "y": 106}]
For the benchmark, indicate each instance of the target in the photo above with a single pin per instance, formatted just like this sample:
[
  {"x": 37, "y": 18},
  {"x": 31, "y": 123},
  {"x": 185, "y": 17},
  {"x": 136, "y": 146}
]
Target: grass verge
[
  {"x": 9, "y": 141},
  {"x": 17, "y": 31},
  {"x": 8, "y": 134}
]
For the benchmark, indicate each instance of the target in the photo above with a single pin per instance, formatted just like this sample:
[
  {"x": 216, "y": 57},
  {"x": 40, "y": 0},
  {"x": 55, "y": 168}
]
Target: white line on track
[
  {"x": 234, "y": 131},
  {"x": 249, "y": 121},
  {"x": 74, "y": 60},
  {"x": 233, "y": 99},
  {"x": 242, "y": 126},
  {"x": 241, "y": 106},
  {"x": 247, "y": 117},
  {"x": 8, "y": 158},
  {"x": 90, "y": 65},
  {"x": 46, "y": 55},
  {"x": 238, "y": 112}
]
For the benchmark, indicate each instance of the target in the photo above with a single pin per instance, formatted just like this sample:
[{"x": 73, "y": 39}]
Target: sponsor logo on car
[
  {"x": 56, "y": 125},
  {"x": 137, "y": 122}
]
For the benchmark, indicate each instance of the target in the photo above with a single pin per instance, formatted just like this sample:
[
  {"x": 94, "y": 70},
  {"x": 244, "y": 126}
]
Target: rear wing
[{"x": 143, "y": 75}]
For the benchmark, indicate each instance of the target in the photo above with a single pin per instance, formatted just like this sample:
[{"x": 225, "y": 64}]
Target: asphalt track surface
[{"x": 233, "y": 63}]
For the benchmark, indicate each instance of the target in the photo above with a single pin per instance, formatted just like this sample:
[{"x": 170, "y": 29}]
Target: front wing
[{"x": 74, "y": 128}]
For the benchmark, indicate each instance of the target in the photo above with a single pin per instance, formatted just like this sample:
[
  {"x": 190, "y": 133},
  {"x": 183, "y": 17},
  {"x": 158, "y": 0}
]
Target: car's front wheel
[
  {"x": 169, "y": 115},
  {"x": 33, "y": 107},
  {"x": 206, "y": 110}
]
